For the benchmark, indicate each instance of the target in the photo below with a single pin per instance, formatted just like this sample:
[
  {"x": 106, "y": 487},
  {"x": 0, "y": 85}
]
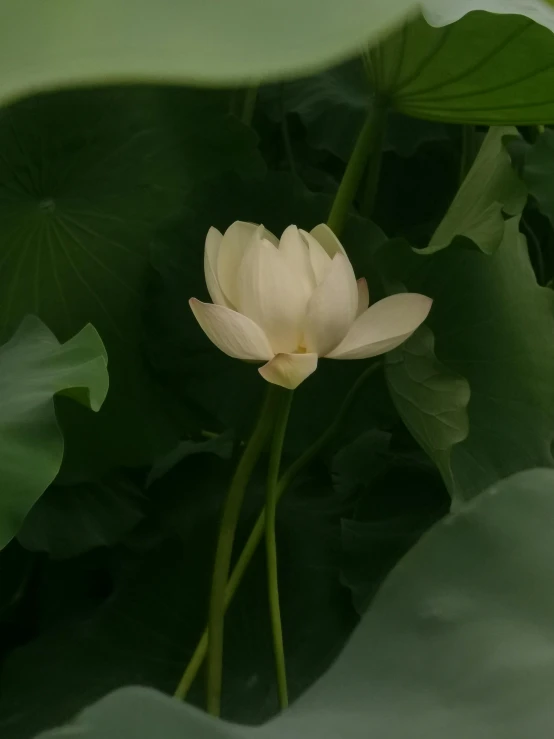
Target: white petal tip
[
  {"x": 326, "y": 237},
  {"x": 322, "y": 228},
  {"x": 292, "y": 229}
]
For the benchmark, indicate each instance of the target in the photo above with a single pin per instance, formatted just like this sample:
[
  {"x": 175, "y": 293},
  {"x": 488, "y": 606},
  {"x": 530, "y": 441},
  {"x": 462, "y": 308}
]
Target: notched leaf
[
  {"x": 491, "y": 190},
  {"x": 34, "y": 367}
]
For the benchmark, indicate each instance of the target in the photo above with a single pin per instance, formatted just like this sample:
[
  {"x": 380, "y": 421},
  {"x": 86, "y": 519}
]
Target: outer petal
[
  {"x": 211, "y": 250},
  {"x": 363, "y": 296},
  {"x": 319, "y": 259},
  {"x": 328, "y": 240},
  {"x": 383, "y": 326},
  {"x": 231, "y": 251},
  {"x": 332, "y": 308},
  {"x": 233, "y": 333},
  {"x": 233, "y": 245},
  {"x": 289, "y": 370},
  {"x": 296, "y": 254},
  {"x": 272, "y": 296}
]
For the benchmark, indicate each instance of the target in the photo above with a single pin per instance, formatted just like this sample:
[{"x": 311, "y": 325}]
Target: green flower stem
[
  {"x": 468, "y": 153},
  {"x": 249, "y": 105},
  {"x": 224, "y": 549},
  {"x": 257, "y": 532},
  {"x": 351, "y": 178},
  {"x": 378, "y": 129},
  {"x": 285, "y": 133},
  {"x": 271, "y": 543}
]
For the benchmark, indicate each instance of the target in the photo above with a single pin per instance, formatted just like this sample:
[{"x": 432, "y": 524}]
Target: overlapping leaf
[{"x": 180, "y": 41}]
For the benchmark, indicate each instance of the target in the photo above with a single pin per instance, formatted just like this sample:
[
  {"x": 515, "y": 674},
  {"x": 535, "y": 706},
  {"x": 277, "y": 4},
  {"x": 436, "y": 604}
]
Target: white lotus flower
[{"x": 291, "y": 301}]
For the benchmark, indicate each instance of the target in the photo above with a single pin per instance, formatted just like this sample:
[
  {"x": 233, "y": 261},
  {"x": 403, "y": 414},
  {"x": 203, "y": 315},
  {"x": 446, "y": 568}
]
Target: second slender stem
[
  {"x": 224, "y": 550},
  {"x": 271, "y": 543}
]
